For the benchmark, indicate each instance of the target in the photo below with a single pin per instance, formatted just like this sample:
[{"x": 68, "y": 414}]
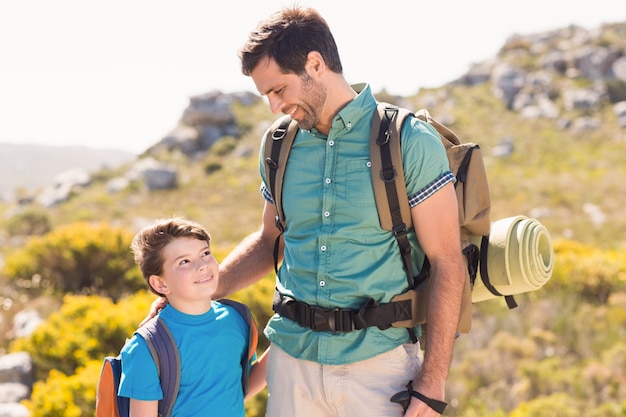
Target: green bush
[
  {"x": 224, "y": 146},
  {"x": 211, "y": 167},
  {"x": 31, "y": 221},
  {"x": 79, "y": 258},
  {"x": 591, "y": 273},
  {"x": 84, "y": 328},
  {"x": 66, "y": 396},
  {"x": 556, "y": 405}
]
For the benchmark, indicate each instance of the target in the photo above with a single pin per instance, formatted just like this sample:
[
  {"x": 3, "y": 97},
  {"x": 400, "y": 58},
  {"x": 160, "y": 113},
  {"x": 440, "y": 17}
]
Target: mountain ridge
[{"x": 31, "y": 166}]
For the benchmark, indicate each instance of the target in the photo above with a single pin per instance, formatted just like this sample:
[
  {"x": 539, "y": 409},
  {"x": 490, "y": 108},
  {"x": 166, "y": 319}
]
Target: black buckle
[
  {"x": 333, "y": 320},
  {"x": 472, "y": 254},
  {"x": 400, "y": 230},
  {"x": 279, "y": 224},
  {"x": 279, "y": 133},
  {"x": 271, "y": 163},
  {"x": 388, "y": 175}
]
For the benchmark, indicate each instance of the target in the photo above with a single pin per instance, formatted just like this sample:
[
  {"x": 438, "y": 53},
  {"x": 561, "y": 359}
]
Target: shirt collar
[{"x": 363, "y": 105}]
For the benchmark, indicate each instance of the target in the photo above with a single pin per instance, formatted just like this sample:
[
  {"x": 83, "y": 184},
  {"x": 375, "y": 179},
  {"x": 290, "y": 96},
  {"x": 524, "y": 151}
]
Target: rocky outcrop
[
  {"x": 17, "y": 373},
  {"x": 546, "y": 74},
  {"x": 207, "y": 118},
  {"x": 63, "y": 186},
  {"x": 16, "y": 381}
]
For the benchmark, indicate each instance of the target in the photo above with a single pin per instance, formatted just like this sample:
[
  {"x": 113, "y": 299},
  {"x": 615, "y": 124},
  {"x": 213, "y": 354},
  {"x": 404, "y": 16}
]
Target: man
[{"x": 334, "y": 253}]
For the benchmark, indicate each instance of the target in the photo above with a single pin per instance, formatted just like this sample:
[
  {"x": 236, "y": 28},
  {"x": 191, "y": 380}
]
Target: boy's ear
[{"x": 158, "y": 284}]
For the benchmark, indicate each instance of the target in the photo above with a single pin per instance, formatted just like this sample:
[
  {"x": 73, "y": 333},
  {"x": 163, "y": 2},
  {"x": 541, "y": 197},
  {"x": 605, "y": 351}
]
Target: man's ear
[
  {"x": 315, "y": 64},
  {"x": 158, "y": 284}
]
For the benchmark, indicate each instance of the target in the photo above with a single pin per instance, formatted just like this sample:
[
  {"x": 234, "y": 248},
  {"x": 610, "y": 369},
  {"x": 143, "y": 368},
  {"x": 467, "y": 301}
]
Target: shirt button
[
  {"x": 323, "y": 248},
  {"x": 369, "y": 164},
  {"x": 328, "y": 181},
  {"x": 327, "y": 214},
  {"x": 322, "y": 283},
  {"x": 331, "y": 143}
]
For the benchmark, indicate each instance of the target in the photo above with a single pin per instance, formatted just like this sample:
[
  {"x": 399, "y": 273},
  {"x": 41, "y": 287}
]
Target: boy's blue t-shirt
[{"x": 210, "y": 347}]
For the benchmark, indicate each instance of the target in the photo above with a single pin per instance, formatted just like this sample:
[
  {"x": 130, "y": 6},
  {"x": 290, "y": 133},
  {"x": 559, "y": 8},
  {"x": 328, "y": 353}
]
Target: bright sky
[{"x": 119, "y": 73}]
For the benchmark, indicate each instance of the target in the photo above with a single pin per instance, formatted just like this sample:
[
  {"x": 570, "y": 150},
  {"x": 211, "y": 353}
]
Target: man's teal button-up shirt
[{"x": 336, "y": 254}]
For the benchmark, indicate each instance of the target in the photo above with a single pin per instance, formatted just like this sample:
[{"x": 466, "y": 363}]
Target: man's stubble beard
[{"x": 313, "y": 99}]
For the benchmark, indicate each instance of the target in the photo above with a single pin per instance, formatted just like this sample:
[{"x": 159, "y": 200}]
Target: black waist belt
[{"x": 341, "y": 319}]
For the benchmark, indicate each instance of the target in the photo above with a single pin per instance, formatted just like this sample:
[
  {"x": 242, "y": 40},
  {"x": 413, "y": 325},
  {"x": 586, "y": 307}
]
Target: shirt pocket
[{"x": 359, "y": 192}]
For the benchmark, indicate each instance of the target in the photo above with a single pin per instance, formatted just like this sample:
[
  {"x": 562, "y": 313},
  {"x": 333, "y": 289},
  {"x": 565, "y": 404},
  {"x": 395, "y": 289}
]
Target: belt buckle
[
  {"x": 327, "y": 319},
  {"x": 338, "y": 323},
  {"x": 320, "y": 319},
  {"x": 332, "y": 319}
]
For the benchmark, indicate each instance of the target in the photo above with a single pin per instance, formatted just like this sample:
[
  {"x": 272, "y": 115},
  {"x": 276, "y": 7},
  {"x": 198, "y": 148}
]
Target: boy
[{"x": 175, "y": 258}]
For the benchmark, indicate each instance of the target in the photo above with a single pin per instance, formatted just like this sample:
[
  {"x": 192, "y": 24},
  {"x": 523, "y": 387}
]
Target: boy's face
[{"x": 190, "y": 272}]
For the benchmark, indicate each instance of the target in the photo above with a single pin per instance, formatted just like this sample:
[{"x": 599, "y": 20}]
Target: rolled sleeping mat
[{"x": 516, "y": 257}]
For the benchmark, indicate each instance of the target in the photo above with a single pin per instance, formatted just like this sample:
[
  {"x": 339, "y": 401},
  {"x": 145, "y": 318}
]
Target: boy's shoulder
[{"x": 228, "y": 305}]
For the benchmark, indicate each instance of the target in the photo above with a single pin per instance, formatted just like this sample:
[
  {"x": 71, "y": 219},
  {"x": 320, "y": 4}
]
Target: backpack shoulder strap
[
  {"x": 165, "y": 353},
  {"x": 278, "y": 140},
  {"x": 253, "y": 339},
  {"x": 390, "y": 193}
]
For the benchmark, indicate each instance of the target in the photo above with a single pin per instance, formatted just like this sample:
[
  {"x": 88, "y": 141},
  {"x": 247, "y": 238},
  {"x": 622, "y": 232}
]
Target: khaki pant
[{"x": 299, "y": 388}]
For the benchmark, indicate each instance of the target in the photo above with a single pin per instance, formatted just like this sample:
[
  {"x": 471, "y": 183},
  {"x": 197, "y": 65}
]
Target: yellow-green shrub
[
  {"x": 31, "y": 221},
  {"x": 66, "y": 396},
  {"x": 79, "y": 258},
  {"x": 555, "y": 405},
  {"x": 85, "y": 328},
  {"x": 593, "y": 274}
]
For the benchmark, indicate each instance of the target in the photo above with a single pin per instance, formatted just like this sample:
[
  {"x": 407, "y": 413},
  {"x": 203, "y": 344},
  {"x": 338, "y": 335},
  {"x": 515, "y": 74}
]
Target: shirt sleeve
[
  {"x": 425, "y": 164},
  {"x": 140, "y": 379}
]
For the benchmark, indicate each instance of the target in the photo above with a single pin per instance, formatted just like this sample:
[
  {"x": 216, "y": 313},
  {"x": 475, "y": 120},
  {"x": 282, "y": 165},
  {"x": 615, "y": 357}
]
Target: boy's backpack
[
  {"x": 165, "y": 354},
  {"x": 472, "y": 192}
]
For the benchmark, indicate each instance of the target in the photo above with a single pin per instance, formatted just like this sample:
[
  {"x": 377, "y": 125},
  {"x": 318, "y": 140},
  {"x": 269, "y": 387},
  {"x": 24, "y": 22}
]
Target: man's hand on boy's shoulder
[{"x": 156, "y": 306}]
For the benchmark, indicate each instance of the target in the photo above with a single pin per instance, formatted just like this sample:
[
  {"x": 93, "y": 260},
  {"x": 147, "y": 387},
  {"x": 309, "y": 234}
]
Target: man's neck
[{"x": 340, "y": 94}]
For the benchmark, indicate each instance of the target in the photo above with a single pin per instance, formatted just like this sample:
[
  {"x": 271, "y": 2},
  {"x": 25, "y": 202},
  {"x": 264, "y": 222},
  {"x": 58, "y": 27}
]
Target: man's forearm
[
  {"x": 251, "y": 260},
  {"x": 444, "y": 307}
]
